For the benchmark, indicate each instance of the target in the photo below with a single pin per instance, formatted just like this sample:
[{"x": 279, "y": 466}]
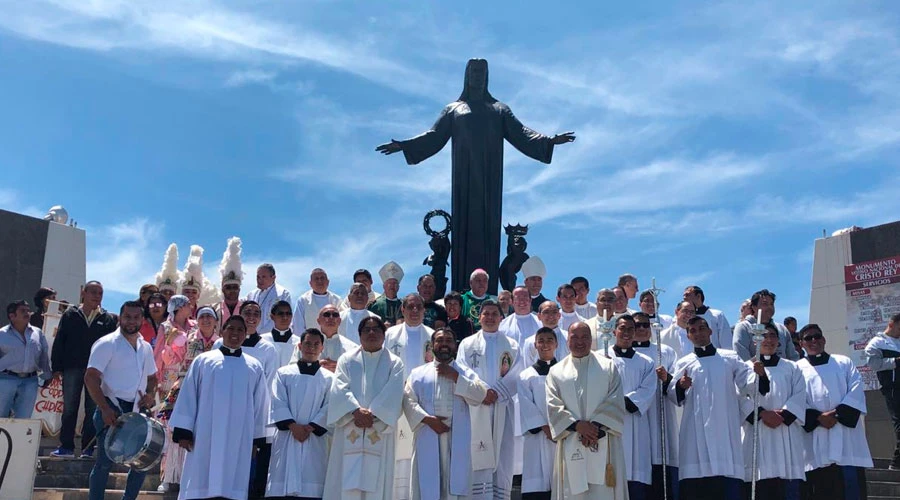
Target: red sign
[{"x": 872, "y": 273}]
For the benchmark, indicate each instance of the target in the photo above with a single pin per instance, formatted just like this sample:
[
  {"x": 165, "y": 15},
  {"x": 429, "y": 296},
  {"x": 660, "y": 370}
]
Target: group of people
[{"x": 374, "y": 396}]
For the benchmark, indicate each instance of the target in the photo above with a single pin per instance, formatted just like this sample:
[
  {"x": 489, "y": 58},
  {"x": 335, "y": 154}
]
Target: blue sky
[{"x": 715, "y": 141}]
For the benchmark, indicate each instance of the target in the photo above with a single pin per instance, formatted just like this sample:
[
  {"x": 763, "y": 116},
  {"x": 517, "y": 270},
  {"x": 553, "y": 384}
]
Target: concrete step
[
  {"x": 67, "y": 480},
  {"x": 885, "y": 475},
  {"x": 58, "y": 465},
  {"x": 82, "y": 494},
  {"x": 881, "y": 488}
]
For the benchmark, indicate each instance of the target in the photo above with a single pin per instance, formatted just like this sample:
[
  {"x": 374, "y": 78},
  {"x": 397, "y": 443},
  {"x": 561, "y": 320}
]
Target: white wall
[
  {"x": 64, "y": 262},
  {"x": 827, "y": 304}
]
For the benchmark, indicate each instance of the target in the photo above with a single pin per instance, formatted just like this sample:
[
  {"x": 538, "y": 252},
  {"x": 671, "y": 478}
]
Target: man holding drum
[{"x": 121, "y": 374}]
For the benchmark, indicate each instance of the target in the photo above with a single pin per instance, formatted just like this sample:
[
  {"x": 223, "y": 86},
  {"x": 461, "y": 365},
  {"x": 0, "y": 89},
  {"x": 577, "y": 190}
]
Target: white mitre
[
  {"x": 534, "y": 266},
  {"x": 230, "y": 267},
  {"x": 194, "y": 277},
  {"x": 391, "y": 270},
  {"x": 168, "y": 277}
]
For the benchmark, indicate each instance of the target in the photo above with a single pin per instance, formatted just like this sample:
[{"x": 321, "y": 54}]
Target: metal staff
[
  {"x": 759, "y": 333},
  {"x": 661, "y": 398},
  {"x": 606, "y": 328}
]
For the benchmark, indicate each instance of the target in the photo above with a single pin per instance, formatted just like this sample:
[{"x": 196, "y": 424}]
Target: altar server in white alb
[
  {"x": 282, "y": 337},
  {"x": 522, "y": 323},
  {"x": 566, "y": 296},
  {"x": 267, "y": 293},
  {"x": 494, "y": 357},
  {"x": 539, "y": 449},
  {"x": 675, "y": 336},
  {"x": 586, "y": 409},
  {"x": 648, "y": 306},
  {"x": 837, "y": 452},
  {"x": 335, "y": 345},
  {"x": 221, "y": 410},
  {"x": 606, "y": 301},
  {"x": 363, "y": 407},
  {"x": 319, "y": 296},
  {"x": 299, "y": 412},
  {"x": 722, "y": 333},
  {"x": 583, "y": 305},
  {"x": 781, "y": 413},
  {"x": 447, "y": 461},
  {"x": 411, "y": 342},
  {"x": 639, "y": 383},
  {"x": 708, "y": 383},
  {"x": 351, "y": 317},
  {"x": 644, "y": 345},
  {"x": 549, "y": 310},
  {"x": 882, "y": 352}
]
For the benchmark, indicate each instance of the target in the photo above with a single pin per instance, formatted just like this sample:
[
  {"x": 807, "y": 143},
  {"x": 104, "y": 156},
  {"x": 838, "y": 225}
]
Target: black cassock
[{"x": 477, "y": 129}]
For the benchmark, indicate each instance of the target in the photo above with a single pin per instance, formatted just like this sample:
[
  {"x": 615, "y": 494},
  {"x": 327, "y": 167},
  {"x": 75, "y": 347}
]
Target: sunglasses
[
  {"x": 331, "y": 314},
  {"x": 642, "y": 324},
  {"x": 812, "y": 337}
]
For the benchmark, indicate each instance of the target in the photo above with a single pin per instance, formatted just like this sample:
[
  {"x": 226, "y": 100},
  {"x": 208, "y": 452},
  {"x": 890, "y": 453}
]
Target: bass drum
[{"x": 135, "y": 440}]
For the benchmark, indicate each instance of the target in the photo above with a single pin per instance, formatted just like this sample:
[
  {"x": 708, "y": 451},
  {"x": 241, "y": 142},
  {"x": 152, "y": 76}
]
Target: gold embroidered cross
[
  {"x": 374, "y": 437},
  {"x": 353, "y": 436}
]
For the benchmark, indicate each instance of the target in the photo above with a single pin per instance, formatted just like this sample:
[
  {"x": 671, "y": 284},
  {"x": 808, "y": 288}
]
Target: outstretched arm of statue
[
  {"x": 390, "y": 148},
  {"x": 563, "y": 138}
]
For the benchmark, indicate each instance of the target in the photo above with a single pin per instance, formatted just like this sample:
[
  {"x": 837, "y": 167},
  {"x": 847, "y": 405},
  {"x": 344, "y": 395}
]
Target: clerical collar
[
  {"x": 702, "y": 310},
  {"x": 702, "y": 352},
  {"x": 281, "y": 336},
  {"x": 623, "y": 353},
  {"x": 230, "y": 352},
  {"x": 770, "y": 360},
  {"x": 252, "y": 340},
  {"x": 818, "y": 359},
  {"x": 490, "y": 334},
  {"x": 523, "y": 316},
  {"x": 307, "y": 368},
  {"x": 641, "y": 343},
  {"x": 543, "y": 367},
  {"x": 476, "y": 297},
  {"x": 320, "y": 294}
]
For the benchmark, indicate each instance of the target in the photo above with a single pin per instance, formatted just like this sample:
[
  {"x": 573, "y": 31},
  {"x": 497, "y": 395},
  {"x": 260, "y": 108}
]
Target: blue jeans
[
  {"x": 17, "y": 395},
  {"x": 73, "y": 386},
  {"x": 100, "y": 472}
]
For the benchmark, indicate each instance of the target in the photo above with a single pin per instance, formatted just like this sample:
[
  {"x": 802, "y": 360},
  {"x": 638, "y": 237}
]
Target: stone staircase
[{"x": 883, "y": 483}]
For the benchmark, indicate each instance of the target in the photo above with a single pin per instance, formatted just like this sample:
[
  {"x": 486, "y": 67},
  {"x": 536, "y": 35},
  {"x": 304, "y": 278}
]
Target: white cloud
[
  {"x": 122, "y": 257},
  {"x": 249, "y": 77}
]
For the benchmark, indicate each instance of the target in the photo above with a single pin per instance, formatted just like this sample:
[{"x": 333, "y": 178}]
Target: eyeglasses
[
  {"x": 642, "y": 325},
  {"x": 331, "y": 314},
  {"x": 812, "y": 337},
  {"x": 156, "y": 304}
]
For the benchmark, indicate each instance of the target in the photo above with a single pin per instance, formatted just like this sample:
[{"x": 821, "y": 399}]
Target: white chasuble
[
  {"x": 224, "y": 403},
  {"x": 442, "y": 465},
  {"x": 836, "y": 382},
  {"x": 639, "y": 384},
  {"x": 539, "y": 451},
  {"x": 298, "y": 469},
  {"x": 361, "y": 462},
  {"x": 495, "y": 359},
  {"x": 780, "y": 451},
  {"x": 412, "y": 344},
  {"x": 668, "y": 361},
  {"x": 589, "y": 389},
  {"x": 710, "y": 433}
]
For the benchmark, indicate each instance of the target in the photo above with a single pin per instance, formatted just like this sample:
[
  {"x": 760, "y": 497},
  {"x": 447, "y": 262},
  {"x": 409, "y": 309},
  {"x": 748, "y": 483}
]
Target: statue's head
[{"x": 476, "y": 81}]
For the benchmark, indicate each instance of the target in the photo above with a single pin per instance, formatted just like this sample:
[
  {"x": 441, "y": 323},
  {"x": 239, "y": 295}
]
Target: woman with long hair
[
  {"x": 41, "y": 301},
  {"x": 154, "y": 316}
]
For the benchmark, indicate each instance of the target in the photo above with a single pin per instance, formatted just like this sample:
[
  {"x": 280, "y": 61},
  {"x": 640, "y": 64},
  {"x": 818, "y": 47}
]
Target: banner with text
[
  {"x": 49, "y": 404},
  {"x": 873, "y": 296}
]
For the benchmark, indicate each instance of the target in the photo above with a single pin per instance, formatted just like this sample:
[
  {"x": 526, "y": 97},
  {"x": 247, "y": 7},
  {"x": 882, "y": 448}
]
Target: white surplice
[
  {"x": 587, "y": 310},
  {"x": 350, "y": 320},
  {"x": 722, "y": 333},
  {"x": 587, "y": 388},
  {"x": 710, "y": 433},
  {"x": 287, "y": 351},
  {"x": 520, "y": 326},
  {"x": 837, "y": 382},
  {"x": 306, "y": 313},
  {"x": 266, "y": 299},
  {"x": 530, "y": 354},
  {"x": 495, "y": 358},
  {"x": 566, "y": 320},
  {"x": 539, "y": 452},
  {"x": 780, "y": 450},
  {"x": 412, "y": 344},
  {"x": 442, "y": 464},
  {"x": 639, "y": 384},
  {"x": 668, "y": 360},
  {"x": 335, "y": 346},
  {"x": 224, "y": 403},
  {"x": 361, "y": 461},
  {"x": 298, "y": 469},
  {"x": 676, "y": 337}
]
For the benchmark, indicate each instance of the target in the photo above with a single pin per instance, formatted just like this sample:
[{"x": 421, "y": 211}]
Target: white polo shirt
[{"x": 124, "y": 368}]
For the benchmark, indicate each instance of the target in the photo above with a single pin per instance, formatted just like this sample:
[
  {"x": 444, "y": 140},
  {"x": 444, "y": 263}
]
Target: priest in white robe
[
  {"x": 221, "y": 410},
  {"x": 780, "y": 415},
  {"x": 583, "y": 306},
  {"x": 664, "y": 358},
  {"x": 549, "y": 316},
  {"x": 539, "y": 449},
  {"x": 606, "y": 301},
  {"x": 282, "y": 337},
  {"x": 638, "y": 375},
  {"x": 494, "y": 357},
  {"x": 411, "y": 342},
  {"x": 363, "y": 407},
  {"x": 329, "y": 320},
  {"x": 675, "y": 336},
  {"x": 647, "y": 303},
  {"x": 309, "y": 304},
  {"x": 708, "y": 383},
  {"x": 837, "y": 452},
  {"x": 722, "y": 333},
  {"x": 299, "y": 412},
  {"x": 586, "y": 410},
  {"x": 351, "y": 318},
  {"x": 565, "y": 296},
  {"x": 267, "y": 293},
  {"x": 447, "y": 461},
  {"x": 522, "y": 323}
]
